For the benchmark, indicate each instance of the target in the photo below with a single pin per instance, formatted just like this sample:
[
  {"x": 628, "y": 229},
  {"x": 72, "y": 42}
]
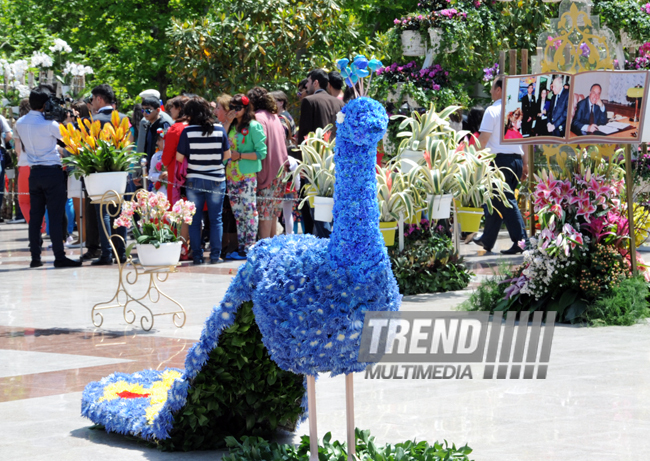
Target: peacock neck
[{"x": 356, "y": 239}]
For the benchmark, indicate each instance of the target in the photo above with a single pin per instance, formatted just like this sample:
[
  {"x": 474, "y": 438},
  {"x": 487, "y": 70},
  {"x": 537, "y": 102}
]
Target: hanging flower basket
[
  {"x": 167, "y": 254},
  {"x": 412, "y": 43},
  {"x": 435, "y": 36},
  {"x": 441, "y": 208},
  {"x": 323, "y": 207},
  {"x": 388, "y": 230},
  {"x": 97, "y": 184},
  {"x": 469, "y": 218}
]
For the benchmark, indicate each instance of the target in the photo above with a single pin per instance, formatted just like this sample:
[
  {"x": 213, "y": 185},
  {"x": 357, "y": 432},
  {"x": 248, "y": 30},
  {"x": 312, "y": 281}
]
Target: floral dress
[{"x": 242, "y": 194}]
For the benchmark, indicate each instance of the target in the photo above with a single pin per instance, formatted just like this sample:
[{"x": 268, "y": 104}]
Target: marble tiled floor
[{"x": 595, "y": 403}]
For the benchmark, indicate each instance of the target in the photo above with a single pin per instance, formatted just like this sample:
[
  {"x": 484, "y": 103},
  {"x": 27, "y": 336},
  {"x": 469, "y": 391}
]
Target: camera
[{"x": 55, "y": 109}]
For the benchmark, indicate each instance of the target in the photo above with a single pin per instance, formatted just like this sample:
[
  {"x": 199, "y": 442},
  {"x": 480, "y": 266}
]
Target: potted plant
[
  {"x": 317, "y": 167},
  {"x": 436, "y": 178},
  {"x": 478, "y": 182},
  {"x": 421, "y": 126},
  {"x": 158, "y": 228},
  {"x": 395, "y": 197},
  {"x": 103, "y": 156}
]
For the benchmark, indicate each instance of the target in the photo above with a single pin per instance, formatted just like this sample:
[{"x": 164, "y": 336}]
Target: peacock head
[{"x": 362, "y": 122}]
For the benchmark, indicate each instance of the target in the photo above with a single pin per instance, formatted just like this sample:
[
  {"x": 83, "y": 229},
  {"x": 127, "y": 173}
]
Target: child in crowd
[{"x": 157, "y": 171}]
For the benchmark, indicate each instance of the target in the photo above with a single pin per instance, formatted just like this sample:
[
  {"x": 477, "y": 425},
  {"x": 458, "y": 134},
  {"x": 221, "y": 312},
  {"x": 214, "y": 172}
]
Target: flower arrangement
[
  {"x": 582, "y": 252},
  {"x": 157, "y": 224},
  {"x": 95, "y": 149},
  {"x": 425, "y": 21}
]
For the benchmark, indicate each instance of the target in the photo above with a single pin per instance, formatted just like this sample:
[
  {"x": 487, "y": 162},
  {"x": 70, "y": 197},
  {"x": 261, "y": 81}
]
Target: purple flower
[{"x": 436, "y": 87}]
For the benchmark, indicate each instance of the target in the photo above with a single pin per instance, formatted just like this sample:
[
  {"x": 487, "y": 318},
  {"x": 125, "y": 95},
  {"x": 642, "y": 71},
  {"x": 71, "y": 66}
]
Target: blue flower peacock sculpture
[{"x": 309, "y": 295}]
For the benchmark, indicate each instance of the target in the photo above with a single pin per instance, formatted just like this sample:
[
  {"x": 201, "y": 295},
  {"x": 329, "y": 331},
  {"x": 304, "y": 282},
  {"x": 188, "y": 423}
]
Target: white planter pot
[
  {"x": 323, "y": 207},
  {"x": 435, "y": 36},
  {"x": 413, "y": 155},
  {"x": 412, "y": 103},
  {"x": 412, "y": 43},
  {"x": 441, "y": 208},
  {"x": 168, "y": 254},
  {"x": 395, "y": 96},
  {"x": 10, "y": 173},
  {"x": 97, "y": 184}
]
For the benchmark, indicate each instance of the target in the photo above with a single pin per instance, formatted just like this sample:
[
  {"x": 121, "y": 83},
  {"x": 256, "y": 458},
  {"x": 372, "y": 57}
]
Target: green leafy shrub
[
  {"x": 625, "y": 304},
  {"x": 429, "y": 262},
  {"x": 254, "y": 448},
  {"x": 240, "y": 391}
]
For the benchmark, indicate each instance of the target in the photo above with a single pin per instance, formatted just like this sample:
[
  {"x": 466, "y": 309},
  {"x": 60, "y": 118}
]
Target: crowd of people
[{"x": 226, "y": 156}]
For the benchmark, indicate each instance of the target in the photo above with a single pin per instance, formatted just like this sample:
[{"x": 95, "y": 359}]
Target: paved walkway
[{"x": 594, "y": 404}]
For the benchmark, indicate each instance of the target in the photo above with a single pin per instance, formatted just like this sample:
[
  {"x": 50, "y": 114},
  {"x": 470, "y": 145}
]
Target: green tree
[
  {"x": 275, "y": 43},
  {"x": 126, "y": 43}
]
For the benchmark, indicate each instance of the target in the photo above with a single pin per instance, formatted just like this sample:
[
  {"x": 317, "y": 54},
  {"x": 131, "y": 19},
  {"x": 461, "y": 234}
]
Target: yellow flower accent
[{"x": 159, "y": 391}]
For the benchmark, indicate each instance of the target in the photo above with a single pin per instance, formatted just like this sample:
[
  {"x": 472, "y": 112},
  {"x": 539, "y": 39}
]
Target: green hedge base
[{"x": 239, "y": 392}]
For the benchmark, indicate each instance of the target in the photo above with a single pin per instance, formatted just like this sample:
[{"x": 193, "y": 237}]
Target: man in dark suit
[
  {"x": 590, "y": 112},
  {"x": 319, "y": 108},
  {"x": 559, "y": 106},
  {"x": 529, "y": 109},
  {"x": 103, "y": 104}
]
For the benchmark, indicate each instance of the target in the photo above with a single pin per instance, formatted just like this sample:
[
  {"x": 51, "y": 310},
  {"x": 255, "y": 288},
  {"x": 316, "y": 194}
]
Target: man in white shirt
[
  {"x": 509, "y": 158},
  {"x": 47, "y": 181}
]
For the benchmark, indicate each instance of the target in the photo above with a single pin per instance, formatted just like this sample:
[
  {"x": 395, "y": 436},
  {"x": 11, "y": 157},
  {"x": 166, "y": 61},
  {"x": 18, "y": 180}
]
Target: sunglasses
[
  {"x": 236, "y": 108},
  {"x": 147, "y": 111}
]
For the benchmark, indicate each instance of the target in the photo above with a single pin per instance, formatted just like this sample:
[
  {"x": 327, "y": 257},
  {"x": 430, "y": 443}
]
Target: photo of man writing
[{"x": 590, "y": 113}]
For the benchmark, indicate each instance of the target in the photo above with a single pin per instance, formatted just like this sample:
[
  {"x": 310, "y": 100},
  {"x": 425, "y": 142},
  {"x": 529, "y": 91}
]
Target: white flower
[
  {"x": 40, "y": 59},
  {"x": 60, "y": 45},
  {"x": 18, "y": 69},
  {"x": 340, "y": 117}
]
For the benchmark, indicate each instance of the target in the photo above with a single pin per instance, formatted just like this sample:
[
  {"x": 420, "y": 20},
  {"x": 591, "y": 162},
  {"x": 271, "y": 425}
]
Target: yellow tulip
[
  {"x": 125, "y": 125},
  {"x": 96, "y": 128},
  {"x": 91, "y": 142},
  {"x": 82, "y": 127},
  {"x": 115, "y": 118}
]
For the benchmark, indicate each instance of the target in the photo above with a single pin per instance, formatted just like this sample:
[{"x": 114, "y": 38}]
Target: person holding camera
[
  {"x": 46, "y": 180},
  {"x": 6, "y": 134}
]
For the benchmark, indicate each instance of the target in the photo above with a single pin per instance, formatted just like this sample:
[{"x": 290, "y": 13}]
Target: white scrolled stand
[{"x": 129, "y": 278}]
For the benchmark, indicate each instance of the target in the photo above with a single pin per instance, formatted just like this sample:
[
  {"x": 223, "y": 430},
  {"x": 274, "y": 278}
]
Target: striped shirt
[{"x": 204, "y": 153}]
